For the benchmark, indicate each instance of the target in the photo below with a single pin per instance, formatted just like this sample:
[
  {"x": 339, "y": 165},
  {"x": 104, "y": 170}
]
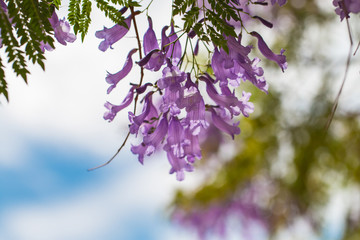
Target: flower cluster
[
  {"x": 179, "y": 107},
  {"x": 345, "y": 7},
  {"x": 212, "y": 218}
]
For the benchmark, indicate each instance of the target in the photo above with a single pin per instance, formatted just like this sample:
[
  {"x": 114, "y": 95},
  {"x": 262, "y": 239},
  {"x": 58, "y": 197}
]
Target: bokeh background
[{"x": 284, "y": 177}]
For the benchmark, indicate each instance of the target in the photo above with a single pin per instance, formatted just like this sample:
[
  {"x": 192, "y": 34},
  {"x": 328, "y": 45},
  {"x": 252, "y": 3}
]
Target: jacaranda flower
[
  {"x": 61, "y": 30},
  {"x": 221, "y": 123},
  {"x": 147, "y": 119},
  {"x": 151, "y": 141},
  {"x": 154, "y": 56},
  {"x": 113, "y": 79},
  {"x": 344, "y": 7},
  {"x": 114, "y": 109},
  {"x": 280, "y": 2},
  {"x": 112, "y": 35},
  {"x": 266, "y": 51}
]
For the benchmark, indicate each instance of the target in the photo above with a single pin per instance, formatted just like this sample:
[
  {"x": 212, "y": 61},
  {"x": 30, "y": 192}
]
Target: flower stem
[{"x": 140, "y": 55}]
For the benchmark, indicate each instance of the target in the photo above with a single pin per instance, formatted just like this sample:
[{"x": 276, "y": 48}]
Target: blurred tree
[
  {"x": 281, "y": 172},
  {"x": 287, "y": 166}
]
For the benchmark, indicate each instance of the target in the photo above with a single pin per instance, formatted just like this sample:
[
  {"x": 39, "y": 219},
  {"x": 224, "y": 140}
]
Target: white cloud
[{"x": 95, "y": 209}]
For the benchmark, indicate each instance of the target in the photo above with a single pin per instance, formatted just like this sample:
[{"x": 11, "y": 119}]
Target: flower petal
[
  {"x": 266, "y": 51},
  {"x": 114, "y": 79}
]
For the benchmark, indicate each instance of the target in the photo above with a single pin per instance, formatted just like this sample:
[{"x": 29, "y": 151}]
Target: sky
[{"x": 53, "y": 130}]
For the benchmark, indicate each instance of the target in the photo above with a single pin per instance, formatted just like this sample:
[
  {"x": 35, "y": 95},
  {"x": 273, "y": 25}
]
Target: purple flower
[
  {"x": 178, "y": 165},
  {"x": 192, "y": 151},
  {"x": 114, "y": 109},
  {"x": 113, "y": 79},
  {"x": 171, "y": 78},
  {"x": 196, "y": 48},
  {"x": 220, "y": 123},
  {"x": 236, "y": 66},
  {"x": 246, "y": 107},
  {"x": 61, "y": 30},
  {"x": 155, "y": 57},
  {"x": 112, "y": 35},
  {"x": 153, "y": 60},
  {"x": 171, "y": 83},
  {"x": 155, "y": 138},
  {"x": 227, "y": 99},
  {"x": 45, "y": 46},
  {"x": 145, "y": 119},
  {"x": 3, "y": 5},
  {"x": 151, "y": 141},
  {"x": 280, "y": 2},
  {"x": 175, "y": 139},
  {"x": 142, "y": 150},
  {"x": 174, "y": 52},
  {"x": 194, "y": 105},
  {"x": 174, "y": 147},
  {"x": 150, "y": 40},
  {"x": 266, "y": 51},
  {"x": 211, "y": 219},
  {"x": 344, "y": 7}
]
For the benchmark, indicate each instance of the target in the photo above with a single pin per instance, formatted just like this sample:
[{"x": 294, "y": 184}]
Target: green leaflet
[
  {"x": 79, "y": 16},
  {"x": 110, "y": 11},
  {"x": 80, "y": 10},
  {"x": 22, "y": 36},
  {"x": 214, "y": 25}
]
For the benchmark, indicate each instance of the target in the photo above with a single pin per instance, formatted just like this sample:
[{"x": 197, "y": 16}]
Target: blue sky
[{"x": 49, "y": 194}]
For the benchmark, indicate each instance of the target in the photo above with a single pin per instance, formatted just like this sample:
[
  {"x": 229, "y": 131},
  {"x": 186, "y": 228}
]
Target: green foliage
[
  {"x": 79, "y": 16},
  {"x": 22, "y": 36},
  {"x": 80, "y": 10},
  {"x": 111, "y": 12},
  {"x": 3, "y": 84},
  {"x": 29, "y": 27},
  {"x": 56, "y": 3},
  {"x": 213, "y": 26}
]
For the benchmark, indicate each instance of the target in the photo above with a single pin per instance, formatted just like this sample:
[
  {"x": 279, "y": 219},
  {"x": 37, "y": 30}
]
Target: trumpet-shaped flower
[
  {"x": 222, "y": 123},
  {"x": 112, "y": 35},
  {"x": 174, "y": 52},
  {"x": 61, "y": 30},
  {"x": 150, "y": 41},
  {"x": 345, "y": 7},
  {"x": 114, "y": 109},
  {"x": 151, "y": 141},
  {"x": 114, "y": 79},
  {"x": 266, "y": 51},
  {"x": 171, "y": 83},
  {"x": 147, "y": 119},
  {"x": 174, "y": 147}
]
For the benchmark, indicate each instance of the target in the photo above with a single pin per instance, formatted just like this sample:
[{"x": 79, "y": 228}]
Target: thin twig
[
  {"x": 137, "y": 95},
  {"x": 333, "y": 110},
  {"x": 357, "y": 48},
  {"x": 140, "y": 55},
  {"x": 104, "y": 164}
]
